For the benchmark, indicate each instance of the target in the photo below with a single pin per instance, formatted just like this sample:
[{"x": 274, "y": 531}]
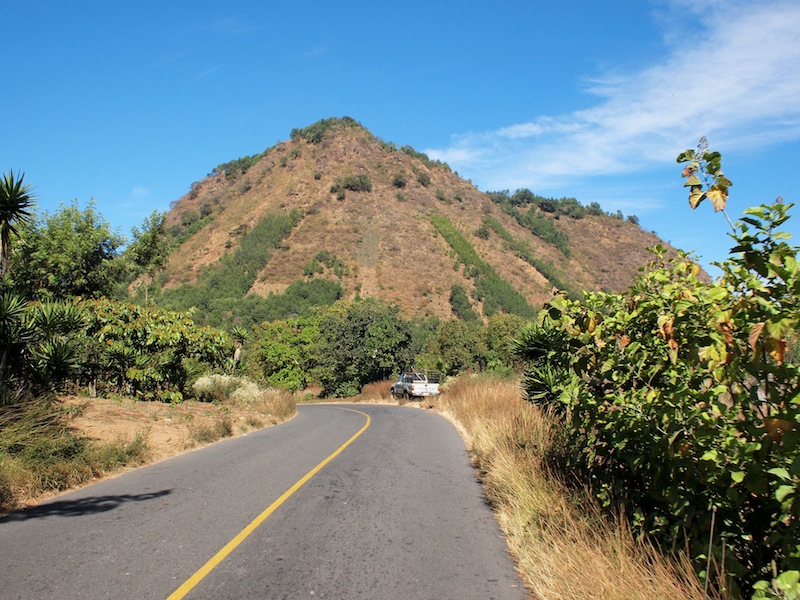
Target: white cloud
[
  {"x": 139, "y": 193},
  {"x": 734, "y": 75}
]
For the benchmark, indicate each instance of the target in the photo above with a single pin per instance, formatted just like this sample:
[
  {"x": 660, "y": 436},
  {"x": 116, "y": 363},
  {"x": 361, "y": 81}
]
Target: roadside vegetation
[
  {"x": 678, "y": 401},
  {"x": 61, "y": 332},
  {"x": 564, "y": 545},
  {"x": 40, "y": 452}
]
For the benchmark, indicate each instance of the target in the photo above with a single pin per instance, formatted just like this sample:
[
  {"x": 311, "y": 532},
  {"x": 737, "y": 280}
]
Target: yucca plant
[
  {"x": 16, "y": 202},
  {"x": 14, "y": 332}
]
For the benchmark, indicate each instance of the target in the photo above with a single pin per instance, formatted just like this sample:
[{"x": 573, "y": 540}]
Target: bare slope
[{"x": 384, "y": 235}]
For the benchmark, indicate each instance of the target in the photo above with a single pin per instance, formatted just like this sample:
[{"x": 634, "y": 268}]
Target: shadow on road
[{"x": 83, "y": 506}]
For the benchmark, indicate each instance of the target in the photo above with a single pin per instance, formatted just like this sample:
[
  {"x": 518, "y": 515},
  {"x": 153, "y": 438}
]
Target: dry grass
[
  {"x": 272, "y": 404},
  {"x": 378, "y": 392},
  {"x": 254, "y": 404},
  {"x": 564, "y": 548},
  {"x": 41, "y": 454}
]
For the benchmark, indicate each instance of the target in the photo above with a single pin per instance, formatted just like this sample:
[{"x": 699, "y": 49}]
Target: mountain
[{"x": 338, "y": 204}]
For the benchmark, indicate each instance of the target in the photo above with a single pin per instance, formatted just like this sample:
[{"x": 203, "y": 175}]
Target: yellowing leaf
[
  {"x": 672, "y": 351},
  {"x": 718, "y": 198},
  {"x": 755, "y": 333},
  {"x": 776, "y": 349},
  {"x": 696, "y": 197},
  {"x": 665, "y": 326}
]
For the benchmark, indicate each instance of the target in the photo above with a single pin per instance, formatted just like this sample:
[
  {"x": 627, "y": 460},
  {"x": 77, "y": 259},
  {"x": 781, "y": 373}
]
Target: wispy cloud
[
  {"x": 734, "y": 75},
  {"x": 139, "y": 193},
  {"x": 231, "y": 25},
  {"x": 207, "y": 73},
  {"x": 313, "y": 52}
]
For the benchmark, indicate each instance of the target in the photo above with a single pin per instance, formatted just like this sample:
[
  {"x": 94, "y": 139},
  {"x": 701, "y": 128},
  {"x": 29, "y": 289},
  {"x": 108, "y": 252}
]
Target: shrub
[
  {"x": 459, "y": 302},
  {"x": 315, "y": 133},
  {"x": 524, "y": 252},
  {"x": 540, "y": 226},
  {"x": 495, "y": 292},
  {"x": 422, "y": 177},
  {"x": 354, "y": 183},
  {"x": 425, "y": 159},
  {"x": 207, "y": 433},
  {"x": 236, "y": 168},
  {"x": 482, "y": 232},
  {"x": 215, "y": 387},
  {"x": 680, "y": 400}
]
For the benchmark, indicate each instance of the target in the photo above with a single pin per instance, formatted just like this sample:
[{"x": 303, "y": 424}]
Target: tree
[
  {"x": 68, "y": 254},
  {"x": 16, "y": 202},
  {"x": 680, "y": 398},
  {"x": 149, "y": 249},
  {"x": 458, "y": 346},
  {"x": 286, "y": 352},
  {"x": 500, "y": 331},
  {"x": 361, "y": 342}
]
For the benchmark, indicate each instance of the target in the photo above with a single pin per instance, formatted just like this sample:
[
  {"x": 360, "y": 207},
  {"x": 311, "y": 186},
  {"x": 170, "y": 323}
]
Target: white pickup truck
[{"x": 416, "y": 385}]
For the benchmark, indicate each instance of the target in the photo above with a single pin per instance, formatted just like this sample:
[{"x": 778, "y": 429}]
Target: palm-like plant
[{"x": 16, "y": 202}]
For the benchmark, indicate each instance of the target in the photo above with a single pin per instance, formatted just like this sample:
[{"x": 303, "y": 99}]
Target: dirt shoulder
[{"x": 169, "y": 429}]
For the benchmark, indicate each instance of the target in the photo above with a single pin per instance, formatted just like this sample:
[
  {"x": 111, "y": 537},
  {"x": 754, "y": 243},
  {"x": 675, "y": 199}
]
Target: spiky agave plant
[{"x": 16, "y": 204}]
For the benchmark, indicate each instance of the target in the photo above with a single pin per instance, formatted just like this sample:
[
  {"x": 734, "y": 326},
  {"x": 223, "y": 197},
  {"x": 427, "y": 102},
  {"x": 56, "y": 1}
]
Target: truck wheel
[{"x": 406, "y": 396}]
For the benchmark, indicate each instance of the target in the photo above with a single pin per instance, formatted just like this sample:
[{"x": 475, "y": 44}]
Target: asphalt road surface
[{"x": 396, "y": 512}]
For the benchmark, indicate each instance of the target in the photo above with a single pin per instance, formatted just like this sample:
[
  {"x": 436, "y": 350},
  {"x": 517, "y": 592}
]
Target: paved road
[{"x": 397, "y": 514}]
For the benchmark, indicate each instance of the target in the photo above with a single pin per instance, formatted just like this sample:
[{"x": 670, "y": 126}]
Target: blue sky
[{"x": 129, "y": 103}]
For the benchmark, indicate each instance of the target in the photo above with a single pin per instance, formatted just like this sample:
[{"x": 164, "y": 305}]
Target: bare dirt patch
[{"x": 168, "y": 428}]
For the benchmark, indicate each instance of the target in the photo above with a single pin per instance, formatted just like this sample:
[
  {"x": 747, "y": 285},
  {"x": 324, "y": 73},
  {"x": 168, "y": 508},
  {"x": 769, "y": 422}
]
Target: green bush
[
  {"x": 236, "y": 168},
  {"x": 354, "y": 183},
  {"x": 425, "y": 159},
  {"x": 315, "y": 133},
  {"x": 495, "y": 292},
  {"x": 422, "y": 177},
  {"x": 540, "y": 226},
  {"x": 681, "y": 401},
  {"x": 147, "y": 352},
  {"x": 326, "y": 260},
  {"x": 234, "y": 274},
  {"x": 524, "y": 252},
  {"x": 462, "y": 307}
]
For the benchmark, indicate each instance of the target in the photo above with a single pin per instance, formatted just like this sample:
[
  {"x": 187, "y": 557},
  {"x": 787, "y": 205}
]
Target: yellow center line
[{"x": 231, "y": 546}]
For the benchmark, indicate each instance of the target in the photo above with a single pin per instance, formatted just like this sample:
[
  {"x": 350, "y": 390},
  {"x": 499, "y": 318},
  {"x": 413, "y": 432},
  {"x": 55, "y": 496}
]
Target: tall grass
[
  {"x": 40, "y": 453},
  {"x": 564, "y": 548},
  {"x": 376, "y": 392}
]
